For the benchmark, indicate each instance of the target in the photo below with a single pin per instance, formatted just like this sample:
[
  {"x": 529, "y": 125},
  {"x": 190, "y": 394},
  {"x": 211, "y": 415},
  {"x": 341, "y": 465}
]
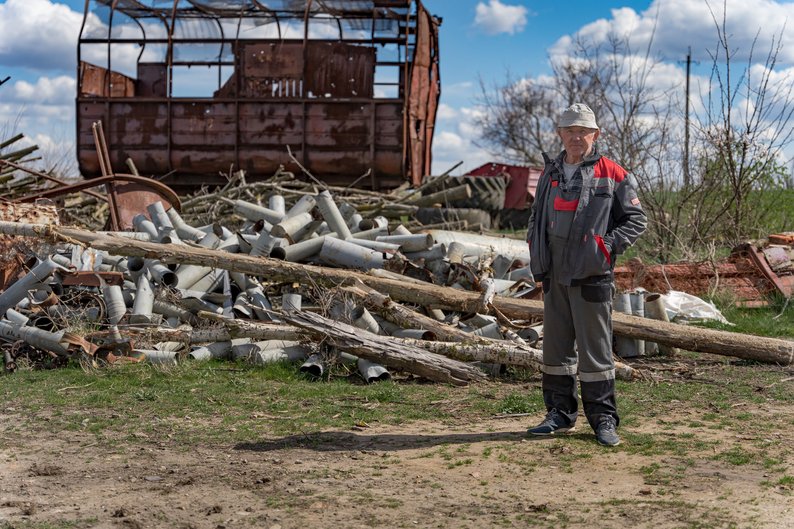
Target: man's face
[{"x": 578, "y": 141}]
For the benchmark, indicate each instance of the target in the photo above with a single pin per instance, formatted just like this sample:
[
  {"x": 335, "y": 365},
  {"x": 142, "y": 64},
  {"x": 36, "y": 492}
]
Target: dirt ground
[{"x": 419, "y": 475}]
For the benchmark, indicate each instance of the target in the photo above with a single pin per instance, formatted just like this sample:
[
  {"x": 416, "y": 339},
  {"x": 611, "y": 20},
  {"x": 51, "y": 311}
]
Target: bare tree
[{"x": 743, "y": 131}]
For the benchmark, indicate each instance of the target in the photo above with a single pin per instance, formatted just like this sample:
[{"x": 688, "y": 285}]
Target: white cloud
[
  {"x": 496, "y": 17},
  {"x": 675, "y": 26},
  {"x": 446, "y": 112},
  {"x": 47, "y": 91},
  {"x": 458, "y": 143},
  {"x": 38, "y": 34}
]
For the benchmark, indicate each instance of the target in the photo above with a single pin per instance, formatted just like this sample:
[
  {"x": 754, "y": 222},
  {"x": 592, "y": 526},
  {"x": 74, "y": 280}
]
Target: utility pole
[{"x": 687, "y": 179}]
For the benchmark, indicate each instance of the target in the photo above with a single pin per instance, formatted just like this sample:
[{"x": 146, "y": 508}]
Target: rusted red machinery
[{"x": 190, "y": 88}]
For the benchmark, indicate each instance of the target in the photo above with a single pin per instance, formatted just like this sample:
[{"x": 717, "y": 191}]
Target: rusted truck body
[{"x": 190, "y": 89}]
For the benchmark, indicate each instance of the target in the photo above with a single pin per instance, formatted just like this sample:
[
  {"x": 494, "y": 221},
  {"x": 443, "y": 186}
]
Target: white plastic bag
[{"x": 681, "y": 306}]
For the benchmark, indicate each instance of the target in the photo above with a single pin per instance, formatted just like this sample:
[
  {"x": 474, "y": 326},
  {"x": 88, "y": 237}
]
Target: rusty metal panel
[
  {"x": 93, "y": 82},
  {"x": 313, "y": 94},
  {"x": 338, "y": 69},
  {"x": 152, "y": 80},
  {"x": 423, "y": 93}
]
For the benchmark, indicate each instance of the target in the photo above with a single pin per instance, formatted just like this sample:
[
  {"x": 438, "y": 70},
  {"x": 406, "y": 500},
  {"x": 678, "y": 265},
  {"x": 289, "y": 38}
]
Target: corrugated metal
[{"x": 523, "y": 182}]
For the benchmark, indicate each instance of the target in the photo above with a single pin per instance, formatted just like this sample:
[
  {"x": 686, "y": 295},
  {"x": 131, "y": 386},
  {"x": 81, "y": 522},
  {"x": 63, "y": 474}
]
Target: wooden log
[
  {"x": 384, "y": 350},
  {"x": 750, "y": 347}
]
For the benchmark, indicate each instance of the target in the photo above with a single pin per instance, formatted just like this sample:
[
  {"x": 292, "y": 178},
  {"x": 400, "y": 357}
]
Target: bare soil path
[{"x": 485, "y": 474}]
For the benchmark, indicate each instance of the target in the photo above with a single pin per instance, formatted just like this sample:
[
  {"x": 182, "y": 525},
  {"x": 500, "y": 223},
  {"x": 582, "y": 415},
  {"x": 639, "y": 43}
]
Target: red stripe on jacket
[
  {"x": 606, "y": 168},
  {"x": 560, "y": 204}
]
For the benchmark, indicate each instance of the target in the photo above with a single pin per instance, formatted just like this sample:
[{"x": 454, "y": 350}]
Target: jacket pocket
[
  {"x": 593, "y": 258},
  {"x": 603, "y": 248}
]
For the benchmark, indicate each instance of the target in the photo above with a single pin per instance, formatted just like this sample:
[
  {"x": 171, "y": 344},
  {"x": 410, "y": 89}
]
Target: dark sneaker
[
  {"x": 554, "y": 423},
  {"x": 606, "y": 431}
]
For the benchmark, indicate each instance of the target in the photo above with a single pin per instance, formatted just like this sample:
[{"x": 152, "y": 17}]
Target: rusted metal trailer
[{"x": 191, "y": 88}]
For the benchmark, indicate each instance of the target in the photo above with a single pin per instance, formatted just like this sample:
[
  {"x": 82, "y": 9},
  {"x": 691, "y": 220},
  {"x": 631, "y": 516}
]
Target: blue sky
[{"x": 479, "y": 39}]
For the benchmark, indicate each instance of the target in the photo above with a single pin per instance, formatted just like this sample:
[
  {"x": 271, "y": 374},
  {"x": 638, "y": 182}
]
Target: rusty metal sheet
[
  {"x": 90, "y": 278},
  {"x": 94, "y": 82},
  {"x": 338, "y": 69},
  {"x": 152, "y": 80},
  {"x": 740, "y": 276}
]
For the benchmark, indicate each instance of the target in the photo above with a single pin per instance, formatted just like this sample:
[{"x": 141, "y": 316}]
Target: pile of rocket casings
[{"x": 122, "y": 295}]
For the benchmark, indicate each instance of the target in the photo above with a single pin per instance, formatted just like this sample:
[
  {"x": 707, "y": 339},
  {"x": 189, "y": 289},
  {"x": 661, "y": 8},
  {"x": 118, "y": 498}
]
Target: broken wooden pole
[
  {"x": 385, "y": 349},
  {"x": 749, "y": 347}
]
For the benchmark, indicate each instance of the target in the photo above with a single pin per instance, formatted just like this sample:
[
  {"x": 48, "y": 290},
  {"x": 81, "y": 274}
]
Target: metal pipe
[
  {"x": 455, "y": 252},
  {"x": 38, "y": 276},
  {"x": 416, "y": 334},
  {"x": 314, "y": 366},
  {"x": 277, "y": 204},
  {"x": 625, "y": 347},
  {"x": 380, "y": 246},
  {"x": 305, "y": 204},
  {"x": 401, "y": 230},
  {"x": 144, "y": 302},
  {"x": 372, "y": 372},
  {"x": 155, "y": 357},
  {"x": 434, "y": 253},
  {"x": 300, "y": 250},
  {"x": 184, "y": 230},
  {"x": 16, "y": 318},
  {"x": 490, "y": 331},
  {"x": 481, "y": 244},
  {"x": 189, "y": 275},
  {"x": 209, "y": 282},
  {"x": 654, "y": 309},
  {"x": 289, "y": 227},
  {"x": 161, "y": 221},
  {"x": 354, "y": 221},
  {"x": 172, "y": 311},
  {"x": 376, "y": 222},
  {"x": 254, "y": 212},
  {"x": 409, "y": 243},
  {"x": 363, "y": 320},
  {"x": 114, "y": 303},
  {"x": 290, "y": 302},
  {"x": 270, "y": 351},
  {"x": 331, "y": 214},
  {"x": 348, "y": 255},
  {"x": 160, "y": 273},
  {"x": 34, "y": 336},
  {"x": 264, "y": 244},
  {"x": 144, "y": 225},
  {"x": 62, "y": 260},
  {"x": 242, "y": 306},
  {"x": 259, "y": 302},
  {"x": 214, "y": 351},
  {"x": 637, "y": 300}
]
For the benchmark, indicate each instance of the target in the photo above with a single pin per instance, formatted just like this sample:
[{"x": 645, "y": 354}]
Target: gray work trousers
[{"x": 577, "y": 339}]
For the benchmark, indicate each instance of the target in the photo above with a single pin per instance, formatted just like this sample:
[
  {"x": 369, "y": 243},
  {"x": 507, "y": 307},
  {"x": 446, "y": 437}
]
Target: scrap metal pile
[
  {"x": 291, "y": 272},
  {"x": 79, "y": 301}
]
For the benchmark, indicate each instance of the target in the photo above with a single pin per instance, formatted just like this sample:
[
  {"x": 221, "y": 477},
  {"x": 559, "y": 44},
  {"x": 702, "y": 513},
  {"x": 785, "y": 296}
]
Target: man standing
[{"x": 585, "y": 213}]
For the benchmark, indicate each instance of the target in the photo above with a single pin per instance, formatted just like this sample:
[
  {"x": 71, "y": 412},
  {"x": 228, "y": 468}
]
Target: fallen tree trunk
[
  {"x": 762, "y": 349},
  {"x": 384, "y": 350}
]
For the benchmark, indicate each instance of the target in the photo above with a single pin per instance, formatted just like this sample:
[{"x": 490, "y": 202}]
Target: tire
[{"x": 438, "y": 215}]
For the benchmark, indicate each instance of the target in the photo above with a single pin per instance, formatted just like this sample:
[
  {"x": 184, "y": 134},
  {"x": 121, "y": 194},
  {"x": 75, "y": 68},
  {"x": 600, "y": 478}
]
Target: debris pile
[
  {"x": 750, "y": 274},
  {"x": 306, "y": 277},
  {"x": 146, "y": 307}
]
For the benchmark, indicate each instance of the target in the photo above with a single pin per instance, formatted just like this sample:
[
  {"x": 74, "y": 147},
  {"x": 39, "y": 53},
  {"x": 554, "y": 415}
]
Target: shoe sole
[
  {"x": 558, "y": 431},
  {"x": 607, "y": 444}
]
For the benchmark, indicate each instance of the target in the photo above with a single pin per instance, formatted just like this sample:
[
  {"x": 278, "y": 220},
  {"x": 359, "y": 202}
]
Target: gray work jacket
[{"x": 608, "y": 219}]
